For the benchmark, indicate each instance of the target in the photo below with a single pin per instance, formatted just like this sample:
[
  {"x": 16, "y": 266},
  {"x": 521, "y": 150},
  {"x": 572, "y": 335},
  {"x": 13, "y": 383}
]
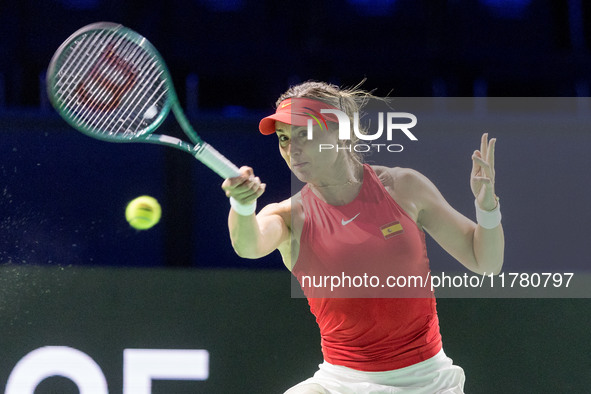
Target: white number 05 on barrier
[{"x": 140, "y": 366}]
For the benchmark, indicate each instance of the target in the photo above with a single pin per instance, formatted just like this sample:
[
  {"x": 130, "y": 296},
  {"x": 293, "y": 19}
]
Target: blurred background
[
  {"x": 244, "y": 53},
  {"x": 65, "y": 245},
  {"x": 230, "y": 60}
]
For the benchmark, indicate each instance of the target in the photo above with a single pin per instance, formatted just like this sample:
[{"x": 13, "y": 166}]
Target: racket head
[{"x": 111, "y": 83}]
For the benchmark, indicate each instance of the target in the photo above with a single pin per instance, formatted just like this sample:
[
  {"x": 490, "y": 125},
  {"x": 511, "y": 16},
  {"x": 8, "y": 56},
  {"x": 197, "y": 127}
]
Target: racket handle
[{"x": 216, "y": 161}]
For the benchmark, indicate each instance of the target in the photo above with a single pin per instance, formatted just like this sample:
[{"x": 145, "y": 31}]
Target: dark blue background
[
  {"x": 62, "y": 195},
  {"x": 246, "y": 52}
]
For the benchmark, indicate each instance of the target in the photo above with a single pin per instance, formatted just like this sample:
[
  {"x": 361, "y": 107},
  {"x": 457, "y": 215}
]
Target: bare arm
[
  {"x": 478, "y": 249},
  {"x": 489, "y": 244},
  {"x": 255, "y": 236}
]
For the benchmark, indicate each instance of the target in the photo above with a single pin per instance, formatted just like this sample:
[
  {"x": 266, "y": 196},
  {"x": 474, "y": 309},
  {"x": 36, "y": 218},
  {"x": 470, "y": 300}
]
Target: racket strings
[
  {"x": 118, "y": 82},
  {"x": 116, "y": 79},
  {"x": 99, "y": 76},
  {"x": 81, "y": 59},
  {"x": 141, "y": 107},
  {"x": 68, "y": 73},
  {"x": 111, "y": 84},
  {"x": 150, "y": 83},
  {"x": 83, "y": 65}
]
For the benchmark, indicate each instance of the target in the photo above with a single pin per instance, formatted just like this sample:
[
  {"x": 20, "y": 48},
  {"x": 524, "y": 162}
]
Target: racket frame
[{"x": 199, "y": 148}]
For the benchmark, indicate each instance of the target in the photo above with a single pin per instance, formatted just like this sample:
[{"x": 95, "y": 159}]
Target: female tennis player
[{"x": 351, "y": 217}]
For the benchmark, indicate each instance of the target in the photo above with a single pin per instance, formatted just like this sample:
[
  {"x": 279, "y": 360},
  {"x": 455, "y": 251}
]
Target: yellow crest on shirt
[{"x": 391, "y": 229}]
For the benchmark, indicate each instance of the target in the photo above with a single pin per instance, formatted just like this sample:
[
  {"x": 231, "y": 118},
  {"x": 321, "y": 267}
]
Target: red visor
[{"x": 296, "y": 111}]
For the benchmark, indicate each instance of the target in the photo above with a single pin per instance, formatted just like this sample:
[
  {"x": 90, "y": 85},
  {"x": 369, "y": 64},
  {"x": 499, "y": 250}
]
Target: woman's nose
[{"x": 293, "y": 148}]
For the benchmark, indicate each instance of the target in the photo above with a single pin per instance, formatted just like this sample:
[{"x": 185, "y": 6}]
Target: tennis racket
[{"x": 110, "y": 83}]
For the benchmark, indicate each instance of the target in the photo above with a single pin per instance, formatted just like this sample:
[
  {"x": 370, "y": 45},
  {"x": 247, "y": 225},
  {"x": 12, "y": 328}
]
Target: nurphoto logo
[{"x": 392, "y": 124}]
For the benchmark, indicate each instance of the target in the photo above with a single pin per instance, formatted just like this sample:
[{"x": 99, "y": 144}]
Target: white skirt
[{"x": 435, "y": 375}]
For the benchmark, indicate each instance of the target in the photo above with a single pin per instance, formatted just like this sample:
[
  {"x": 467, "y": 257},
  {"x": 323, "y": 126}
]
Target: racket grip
[{"x": 216, "y": 161}]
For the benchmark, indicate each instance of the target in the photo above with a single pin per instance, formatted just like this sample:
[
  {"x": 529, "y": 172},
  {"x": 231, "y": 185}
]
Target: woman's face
[{"x": 309, "y": 159}]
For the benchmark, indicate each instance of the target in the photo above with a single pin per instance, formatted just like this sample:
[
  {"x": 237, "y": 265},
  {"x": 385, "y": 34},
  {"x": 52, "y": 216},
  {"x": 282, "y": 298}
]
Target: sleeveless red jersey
[{"x": 370, "y": 236}]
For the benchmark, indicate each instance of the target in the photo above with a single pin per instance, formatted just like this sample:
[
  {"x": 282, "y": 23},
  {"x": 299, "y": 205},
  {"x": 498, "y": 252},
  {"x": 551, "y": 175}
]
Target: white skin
[{"x": 329, "y": 173}]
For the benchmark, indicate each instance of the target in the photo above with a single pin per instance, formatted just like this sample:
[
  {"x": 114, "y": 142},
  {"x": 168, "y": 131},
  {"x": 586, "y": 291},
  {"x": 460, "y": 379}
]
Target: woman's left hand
[{"x": 482, "y": 178}]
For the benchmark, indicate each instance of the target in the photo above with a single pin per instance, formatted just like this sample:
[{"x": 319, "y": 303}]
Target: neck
[{"x": 342, "y": 188}]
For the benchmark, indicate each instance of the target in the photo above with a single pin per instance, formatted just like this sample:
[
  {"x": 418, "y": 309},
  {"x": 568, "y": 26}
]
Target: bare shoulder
[
  {"x": 408, "y": 187},
  {"x": 399, "y": 178}
]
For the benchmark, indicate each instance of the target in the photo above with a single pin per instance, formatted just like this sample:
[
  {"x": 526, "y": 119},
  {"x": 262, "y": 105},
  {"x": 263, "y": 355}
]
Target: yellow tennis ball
[{"x": 143, "y": 212}]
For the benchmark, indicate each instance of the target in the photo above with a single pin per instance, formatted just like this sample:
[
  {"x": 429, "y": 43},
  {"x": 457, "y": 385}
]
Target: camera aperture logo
[
  {"x": 317, "y": 118},
  {"x": 367, "y": 142}
]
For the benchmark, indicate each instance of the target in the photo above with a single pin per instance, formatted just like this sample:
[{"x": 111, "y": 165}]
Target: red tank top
[{"x": 370, "y": 236}]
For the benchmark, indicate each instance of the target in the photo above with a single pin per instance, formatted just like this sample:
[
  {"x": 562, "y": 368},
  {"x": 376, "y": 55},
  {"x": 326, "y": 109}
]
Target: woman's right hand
[{"x": 245, "y": 188}]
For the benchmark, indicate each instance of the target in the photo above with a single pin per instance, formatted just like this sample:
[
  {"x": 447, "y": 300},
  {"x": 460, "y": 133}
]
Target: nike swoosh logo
[
  {"x": 286, "y": 105},
  {"x": 345, "y": 222}
]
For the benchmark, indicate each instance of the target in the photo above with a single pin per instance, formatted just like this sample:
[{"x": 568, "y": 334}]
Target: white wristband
[
  {"x": 488, "y": 219},
  {"x": 243, "y": 209}
]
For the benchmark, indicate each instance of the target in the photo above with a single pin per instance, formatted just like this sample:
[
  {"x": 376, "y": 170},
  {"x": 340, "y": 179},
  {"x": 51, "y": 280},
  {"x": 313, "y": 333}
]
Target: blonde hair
[{"x": 348, "y": 100}]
